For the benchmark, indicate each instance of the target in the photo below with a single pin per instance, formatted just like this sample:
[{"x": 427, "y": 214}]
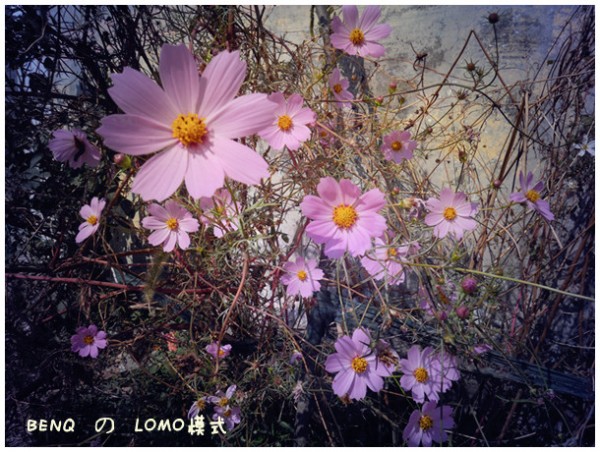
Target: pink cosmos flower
[
  {"x": 339, "y": 88},
  {"x": 428, "y": 424},
  {"x": 171, "y": 225},
  {"x": 288, "y": 127},
  {"x": 91, "y": 214},
  {"x": 343, "y": 218},
  {"x": 215, "y": 350},
  {"x": 302, "y": 277},
  {"x": 530, "y": 195},
  {"x": 220, "y": 211},
  {"x": 231, "y": 415},
  {"x": 451, "y": 214},
  {"x": 197, "y": 407},
  {"x": 398, "y": 146},
  {"x": 190, "y": 123},
  {"x": 359, "y": 35},
  {"x": 356, "y": 365},
  {"x": 419, "y": 374},
  {"x": 73, "y": 147},
  {"x": 87, "y": 341},
  {"x": 384, "y": 260}
]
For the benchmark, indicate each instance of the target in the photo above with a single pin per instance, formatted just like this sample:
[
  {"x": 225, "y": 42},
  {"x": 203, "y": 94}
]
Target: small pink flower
[
  {"x": 428, "y": 425},
  {"x": 420, "y": 376},
  {"x": 87, "y": 341},
  {"x": 91, "y": 214},
  {"x": 220, "y": 211},
  {"x": 197, "y": 407},
  {"x": 218, "y": 351},
  {"x": 397, "y": 146},
  {"x": 339, "y": 88},
  {"x": 343, "y": 218},
  {"x": 302, "y": 277},
  {"x": 384, "y": 260},
  {"x": 359, "y": 35},
  {"x": 530, "y": 195},
  {"x": 190, "y": 124},
  {"x": 326, "y": 137},
  {"x": 451, "y": 214},
  {"x": 73, "y": 147},
  {"x": 356, "y": 365},
  {"x": 289, "y": 124},
  {"x": 171, "y": 225}
]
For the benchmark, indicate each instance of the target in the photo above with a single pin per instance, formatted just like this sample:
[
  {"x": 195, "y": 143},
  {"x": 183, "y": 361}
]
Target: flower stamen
[
  {"x": 302, "y": 275},
  {"x": 359, "y": 365},
  {"x": 92, "y": 219},
  {"x": 425, "y": 423},
  {"x": 172, "y": 224},
  {"x": 450, "y": 213},
  {"x": 533, "y": 196},
  {"x": 285, "y": 123},
  {"x": 337, "y": 88},
  {"x": 357, "y": 37},
  {"x": 421, "y": 374},
  {"x": 88, "y": 340},
  {"x": 189, "y": 129},
  {"x": 396, "y": 146},
  {"x": 344, "y": 216}
]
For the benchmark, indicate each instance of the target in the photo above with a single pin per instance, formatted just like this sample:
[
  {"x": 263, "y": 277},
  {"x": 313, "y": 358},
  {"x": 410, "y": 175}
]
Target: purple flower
[
  {"x": 216, "y": 350},
  {"x": 220, "y": 211},
  {"x": 73, "y": 147},
  {"x": 428, "y": 424},
  {"x": 339, "y": 88},
  {"x": 87, "y": 341},
  {"x": 356, "y": 365},
  {"x": 343, "y": 218},
  {"x": 296, "y": 356},
  {"x": 387, "y": 356},
  {"x": 451, "y": 214},
  {"x": 171, "y": 225},
  {"x": 197, "y": 407},
  {"x": 91, "y": 214},
  {"x": 398, "y": 146},
  {"x": 231, "y": 415},
  {"x": 469, "y": 285},
  {"x": 445, "y": 370},
  {"x": 221, "y": 398},
  {"x": 359, "y": 35},
  {"x": 530, "y": 195},
  {"x": 420, "y": 375},
  {"x": 384, "y": 260},
  {"x": 302, "y": 277},
  {"x": 586, "y": 146}
]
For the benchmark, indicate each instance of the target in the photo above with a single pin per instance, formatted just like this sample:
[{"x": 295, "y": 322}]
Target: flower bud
[
  {"x": 469, "y": 285},
  {"x": 462, "y": 312},
  {"x": 122, "y": 161}
]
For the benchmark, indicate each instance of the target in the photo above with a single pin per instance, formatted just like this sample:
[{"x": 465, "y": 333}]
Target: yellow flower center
[
  {"x": 285, "y": 123},
  {"x": 88, "y": 340},
  {"x": 201, "y": 404},
  {"x": 221, "y": 352},
  {"x": 421, "y": 374},
  {"x": 172, "y": 224},
  {"x": 93, "y": 220},
  {"x": 227, "y": 413},
  {"x": 219, "y": 211},
  {"x": 189, "y": 129},
  {"x": 359, "y": 365},
  {"x": 391, "y": 253},
  {"x": 357, "y": 37},
  {"x": 338, "y": 88},
  {"x": 396, "y": 146},
  {"x": 449, "y": 213},
  {"x": 532, "y": 196},
  {"x": 425, "y": 422},
  {"x": 302, "y": 275},
  {"x": 223, "y": 402},
  {"x": 344, "y": 216}
]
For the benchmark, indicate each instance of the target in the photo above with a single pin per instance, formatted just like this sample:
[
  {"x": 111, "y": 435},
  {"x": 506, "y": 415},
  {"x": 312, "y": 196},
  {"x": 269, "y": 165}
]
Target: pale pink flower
[
  {"x": 87, "y": 341},
  {"x": 91, "y": 214},
  {"x": 359, "y": 35},
  {"x": 288, "y": 127},
  {"x": 343, "y": 218},
  {"x": 428, "y": 425},
  {"x": 326, "y": 137},
  {"x": 302, "y": 277},
  {"x": 384, "y": 260},
  {"x": 190, "y": 123},
  {"x": 218, "y": 351},
  {"x": 397, "y": 146},
  {"x": 356, "y": 365},
  {"x": 339, "y": 88},
  {"x": 73, "y": 147},
  {"x": 451, "y": 214},
  {"x": 171, "y": 225},
  {"x": 530, "y": 195},
  {"x": 197, "y": 407},
  {"x": 420, "y": 376},
  {"x": 220, "y": 211}
]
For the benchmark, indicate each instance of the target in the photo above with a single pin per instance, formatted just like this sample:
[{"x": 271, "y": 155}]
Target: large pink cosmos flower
[
  {"x": 193, "y": 121},
  {"x": 428, "y": 424},
  {"x": 288, "y": 127},
  {"x": 73, "y": 147},
  {"x": 398, "y": 146},
  {"x": 339, "y": 88},
  {"x": 420, "y": 375},
  {"x": 343, "y": 218},
  {"x": 356, "y": 365},
  {"x": 384, "y": 260},
  {"x": 220, "y": 211},
  {"x": 451, "y": 214},
  {"x": 302, "y": 277},
  {"x": 87, "y": 341},
  {"x": 91, "y": 214},
  {"x": 359, "y": 36},
  {"x": 171, "y": 225},
  {"x": 530, "y": 195}
]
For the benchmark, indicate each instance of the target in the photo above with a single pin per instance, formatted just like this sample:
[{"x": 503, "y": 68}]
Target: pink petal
[
  {"x": 162, "y": 175},
  {"x": 441, "y": 230},
  {"x": 359, "y": 388},
  {"x": 170, "y": 242},
  {"x": 159, "y": 236},
  {"x": 183, "y": 239},
  {"x": 345, "y": 347},
  {"x": 372, "y": 49},
  {"x": 342, "y": 383},
  {"x": 179, "y": 77},
  {"x": 373, "y": 200},
  {"x": 350, "y": 192},
  {"x": 135, "y": 135},
  {"x": 321, "y": 231},
  {"x": 159, "y": 212},
  {"x": 243, "y": 116},
  {"x": 350, "y": 13},
  {"x": 329, "y": 190},
  {"x": 240, "y": 162},
  {"x": 369, "y": 17},
  {"x": 433, "y": 218},
  {"x": 361, "y": 337},
  {"x": 378, "y": 32},
  {"x": 204, "y": 174},
  {"x": 221, "y": 81},
  {"x": 189, "y": 225},
  {"x": 85, "y": 232},
  {"x": 315, "y": 208},
  {"x": 333, "y": 363},
  {"x": 153, "y": 223},
  {"x": 304, "y": 116}
]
